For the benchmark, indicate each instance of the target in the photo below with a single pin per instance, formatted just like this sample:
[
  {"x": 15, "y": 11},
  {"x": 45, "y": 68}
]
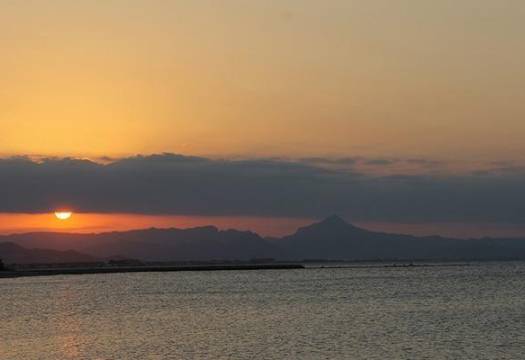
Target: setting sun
[{"x": 63, "y": 215}]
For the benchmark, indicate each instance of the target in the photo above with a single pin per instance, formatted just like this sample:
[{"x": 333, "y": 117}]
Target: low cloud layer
[{"x": 174, "y": 184}]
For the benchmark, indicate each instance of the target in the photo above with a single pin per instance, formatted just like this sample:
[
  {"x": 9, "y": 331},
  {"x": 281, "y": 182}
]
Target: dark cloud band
[{"x": 175, "y": 184}]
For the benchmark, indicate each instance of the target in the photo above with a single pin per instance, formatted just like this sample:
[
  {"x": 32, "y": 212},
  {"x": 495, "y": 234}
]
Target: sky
[{"x": 321, "y": 102}]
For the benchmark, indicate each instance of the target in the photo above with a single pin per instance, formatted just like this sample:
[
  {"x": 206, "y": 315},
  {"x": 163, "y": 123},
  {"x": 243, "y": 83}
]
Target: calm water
[{"x": 472, "y": 312}]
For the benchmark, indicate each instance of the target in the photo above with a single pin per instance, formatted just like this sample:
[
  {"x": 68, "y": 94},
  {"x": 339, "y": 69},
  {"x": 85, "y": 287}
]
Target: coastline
[{"x": 134, "y": 269}]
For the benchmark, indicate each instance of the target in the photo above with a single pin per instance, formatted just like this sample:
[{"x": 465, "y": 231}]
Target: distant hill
[
  {"x": 332, "y": 238},
  {"x": 201, "y": 243},
  {"x": 11, "y": 253}
]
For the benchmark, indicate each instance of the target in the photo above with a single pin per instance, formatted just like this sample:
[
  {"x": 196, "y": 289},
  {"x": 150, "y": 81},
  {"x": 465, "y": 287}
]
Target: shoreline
[
  {"x": 136, "y": 269},
  {"x": 393, "y": 264}
]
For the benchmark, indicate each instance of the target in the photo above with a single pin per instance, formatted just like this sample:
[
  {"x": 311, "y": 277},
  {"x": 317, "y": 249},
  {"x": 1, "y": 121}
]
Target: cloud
[
  {"x": 380, "y": 162},
  {"x": 176, "y": 184},
  {"x": 357, "y": 161},
  {"x": 424, "y": 162},
  {"x": 332, "y": 161}
]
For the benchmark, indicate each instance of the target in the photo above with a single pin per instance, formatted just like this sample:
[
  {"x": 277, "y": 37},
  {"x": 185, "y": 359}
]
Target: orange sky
[
  {"x": 90, "y": 223},
  {"x": 96, "y": 223},
  {"x": 441, "y": 79}
]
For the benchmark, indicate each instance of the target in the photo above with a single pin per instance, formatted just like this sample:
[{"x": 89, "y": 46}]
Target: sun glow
[{"x": 63, "y": 215}]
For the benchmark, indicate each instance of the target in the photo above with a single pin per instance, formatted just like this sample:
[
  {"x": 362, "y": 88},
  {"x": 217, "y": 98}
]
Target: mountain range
[
  {"x": 13, "y": 253},
  {"x": 332, "y": 238}
]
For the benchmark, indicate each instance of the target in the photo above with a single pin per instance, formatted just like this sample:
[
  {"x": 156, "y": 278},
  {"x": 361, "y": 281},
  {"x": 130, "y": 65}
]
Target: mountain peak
[
  {"x": 334, "y": 220},
  {"x": 331, "y": 224}
]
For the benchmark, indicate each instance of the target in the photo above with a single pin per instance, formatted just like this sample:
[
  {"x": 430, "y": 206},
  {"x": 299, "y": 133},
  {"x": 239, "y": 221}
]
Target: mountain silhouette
[
  {"x": 332, "y": 238},
  {"x": 201, "y": 243},
  {"x": 11, "y": 253}
]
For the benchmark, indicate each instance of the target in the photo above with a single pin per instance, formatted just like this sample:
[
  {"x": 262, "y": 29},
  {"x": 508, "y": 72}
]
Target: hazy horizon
[{"x": 265, "y": 227}]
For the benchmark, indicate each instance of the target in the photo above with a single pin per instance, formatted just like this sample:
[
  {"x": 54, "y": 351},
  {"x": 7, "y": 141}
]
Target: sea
[{"x": 439, "y": 311}]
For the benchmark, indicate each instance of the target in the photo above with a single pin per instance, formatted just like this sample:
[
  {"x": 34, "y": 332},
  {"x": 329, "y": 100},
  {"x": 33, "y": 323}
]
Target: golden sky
[{"x": 440, "y": 79}]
